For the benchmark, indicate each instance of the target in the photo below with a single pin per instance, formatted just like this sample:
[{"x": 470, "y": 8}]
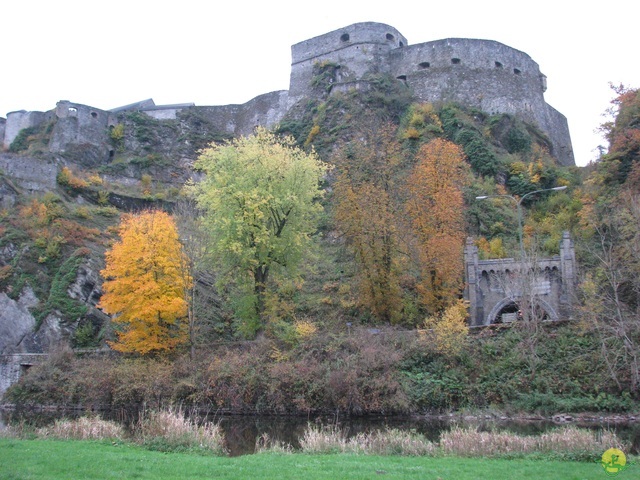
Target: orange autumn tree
[
  {"x": 366, "y": 212},
  {"x": 435, "y": 207},
  {"x": 145, "y": 284}
]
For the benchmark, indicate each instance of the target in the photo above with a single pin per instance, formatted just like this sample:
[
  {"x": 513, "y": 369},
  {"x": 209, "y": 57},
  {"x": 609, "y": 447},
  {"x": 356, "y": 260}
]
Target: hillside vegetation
[{"x": 371, "y": 320}]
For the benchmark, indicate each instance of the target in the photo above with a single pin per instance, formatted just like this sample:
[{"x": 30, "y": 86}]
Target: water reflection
[{"x": 241, "y": 431}]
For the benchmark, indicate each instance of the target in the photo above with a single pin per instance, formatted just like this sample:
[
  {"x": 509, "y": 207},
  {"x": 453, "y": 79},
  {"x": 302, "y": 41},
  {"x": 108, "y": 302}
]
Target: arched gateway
[{"x": 497, "y": 289}]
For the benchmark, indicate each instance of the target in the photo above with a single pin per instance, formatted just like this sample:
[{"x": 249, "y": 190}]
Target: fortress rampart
[{"x": 483, "y": 74}]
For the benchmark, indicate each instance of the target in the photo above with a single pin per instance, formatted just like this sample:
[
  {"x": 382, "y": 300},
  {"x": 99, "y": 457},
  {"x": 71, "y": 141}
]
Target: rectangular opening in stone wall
[
  {"x": 24, "y": 368},
  {"x": 402, "y": 77},
  {"x": 516, "y": 71},
  {"x": 455, "y": 61},
  {"x": 498, "y": 65},
  {"x": 424, "y": 65}
]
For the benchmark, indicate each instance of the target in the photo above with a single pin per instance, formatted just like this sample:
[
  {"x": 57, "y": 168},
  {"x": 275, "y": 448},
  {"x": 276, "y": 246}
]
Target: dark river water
[{"x": 241, "y": 431}]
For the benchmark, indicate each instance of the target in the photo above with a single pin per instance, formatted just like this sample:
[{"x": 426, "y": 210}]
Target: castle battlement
[{"x": 482, "y": 74}]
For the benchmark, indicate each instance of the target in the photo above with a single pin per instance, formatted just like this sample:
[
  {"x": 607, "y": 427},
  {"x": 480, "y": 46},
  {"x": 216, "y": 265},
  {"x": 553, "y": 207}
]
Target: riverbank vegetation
[
  {"x": 362, "y": 371},
  {"x": 171, "y": 430}
]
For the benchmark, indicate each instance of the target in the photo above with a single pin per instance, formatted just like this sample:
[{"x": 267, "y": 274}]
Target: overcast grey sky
[{"x": 109, "y": 54}]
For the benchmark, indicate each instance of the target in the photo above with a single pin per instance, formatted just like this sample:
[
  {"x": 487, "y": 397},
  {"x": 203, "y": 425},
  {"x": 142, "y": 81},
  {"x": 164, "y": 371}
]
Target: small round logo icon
[{"x": 613, "y": 461}]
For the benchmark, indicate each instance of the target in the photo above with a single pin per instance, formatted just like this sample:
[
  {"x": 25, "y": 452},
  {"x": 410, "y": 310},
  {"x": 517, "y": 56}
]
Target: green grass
[{"x": 53, "y": 459}]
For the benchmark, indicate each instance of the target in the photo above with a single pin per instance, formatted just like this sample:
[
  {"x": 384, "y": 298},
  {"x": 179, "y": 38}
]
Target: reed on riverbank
[
  {"x": 566, "y": 442},
  {"x": 389, "y": 441},
  {"x": 173, "y": 430},
  {"x": 164, "y": 430},
  {"x": 570, "y": 442}
]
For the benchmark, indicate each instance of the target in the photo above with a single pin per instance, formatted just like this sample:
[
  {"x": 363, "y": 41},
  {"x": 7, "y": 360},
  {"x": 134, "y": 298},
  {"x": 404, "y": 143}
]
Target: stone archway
[{"x": 506, "y": 302}]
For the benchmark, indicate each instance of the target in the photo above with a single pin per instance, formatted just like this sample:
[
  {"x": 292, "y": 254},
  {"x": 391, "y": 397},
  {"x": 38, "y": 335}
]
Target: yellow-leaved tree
[
  {"x": 145, "y": 284},
  {"x": 447, "y": 332}
]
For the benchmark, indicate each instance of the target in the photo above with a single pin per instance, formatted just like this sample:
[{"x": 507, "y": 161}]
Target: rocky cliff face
[{"x": 16, "y": 322}]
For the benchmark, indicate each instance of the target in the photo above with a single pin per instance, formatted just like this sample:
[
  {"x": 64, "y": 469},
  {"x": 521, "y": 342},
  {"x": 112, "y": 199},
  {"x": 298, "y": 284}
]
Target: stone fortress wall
[{"x": 484, "y": 74}]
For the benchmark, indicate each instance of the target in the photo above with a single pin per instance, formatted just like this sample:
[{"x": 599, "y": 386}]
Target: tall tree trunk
[{"x": 260, "y": 275}]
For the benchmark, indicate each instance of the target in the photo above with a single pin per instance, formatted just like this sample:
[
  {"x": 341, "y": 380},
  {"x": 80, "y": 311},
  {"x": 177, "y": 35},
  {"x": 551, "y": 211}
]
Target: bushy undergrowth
[{"x": 362, "y": 372}]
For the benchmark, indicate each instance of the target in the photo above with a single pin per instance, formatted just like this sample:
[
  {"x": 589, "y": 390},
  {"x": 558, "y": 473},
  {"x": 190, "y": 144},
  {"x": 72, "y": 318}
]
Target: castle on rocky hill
[{"x": 482, "y": 74}]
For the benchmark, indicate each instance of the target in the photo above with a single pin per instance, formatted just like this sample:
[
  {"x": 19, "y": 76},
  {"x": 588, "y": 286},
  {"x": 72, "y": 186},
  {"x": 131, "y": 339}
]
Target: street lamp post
[{"x": 519, "y": 208}]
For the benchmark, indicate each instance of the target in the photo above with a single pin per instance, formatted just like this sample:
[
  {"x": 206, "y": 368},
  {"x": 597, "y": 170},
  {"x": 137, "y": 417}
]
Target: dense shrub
[{"x": 362, "y": 373}]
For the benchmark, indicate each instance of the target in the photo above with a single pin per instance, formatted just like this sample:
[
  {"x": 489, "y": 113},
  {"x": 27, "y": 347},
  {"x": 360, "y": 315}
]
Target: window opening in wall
[
  {"x": 455, "y": 61},
  {"x": 390, "y": 37},
  {"x": 402, "y": 77},
  {"x": 516, "y": 71},
  {"x": 344, "y": 37},
  {"x": 73, "y": 110},
  {"x": 424, "y": 65},
  {"x": 401, "y": 44},
  {"x": 498, "y": 65},
  {"x": 94, "y": 114}
]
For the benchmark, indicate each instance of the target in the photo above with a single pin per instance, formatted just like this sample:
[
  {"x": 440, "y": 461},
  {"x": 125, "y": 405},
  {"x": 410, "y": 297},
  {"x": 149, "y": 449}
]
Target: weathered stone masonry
[
  {"x": 12, "y": 366},
  {"x": 483, "y": 74},
  {"x": 495, "y": 287}
]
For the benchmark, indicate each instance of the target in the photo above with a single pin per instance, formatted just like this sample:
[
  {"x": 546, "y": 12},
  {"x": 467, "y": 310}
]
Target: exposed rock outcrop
[{"x": 16, "y": 322}]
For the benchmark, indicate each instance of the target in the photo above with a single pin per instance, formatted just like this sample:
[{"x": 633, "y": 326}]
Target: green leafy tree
[{"x": 261, "y": 200}]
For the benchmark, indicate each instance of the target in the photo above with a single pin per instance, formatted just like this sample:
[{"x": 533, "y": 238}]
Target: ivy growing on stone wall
[
  {"x": 324, "y": 76},
  {"x": 58, "y": 298},
  {"x": 30, "y": 137}
]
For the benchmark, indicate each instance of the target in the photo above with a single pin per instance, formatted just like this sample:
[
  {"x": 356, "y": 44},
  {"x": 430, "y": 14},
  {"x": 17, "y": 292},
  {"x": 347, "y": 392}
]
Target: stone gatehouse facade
[{"x": 495, "y": 288}]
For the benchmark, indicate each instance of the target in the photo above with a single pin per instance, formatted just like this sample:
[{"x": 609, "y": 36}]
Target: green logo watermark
[{"x": 614, "y": 461}]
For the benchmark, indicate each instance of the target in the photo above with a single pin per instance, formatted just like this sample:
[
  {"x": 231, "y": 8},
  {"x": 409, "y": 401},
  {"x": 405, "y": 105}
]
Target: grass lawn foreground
[{"x": 60, "y": 459}]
